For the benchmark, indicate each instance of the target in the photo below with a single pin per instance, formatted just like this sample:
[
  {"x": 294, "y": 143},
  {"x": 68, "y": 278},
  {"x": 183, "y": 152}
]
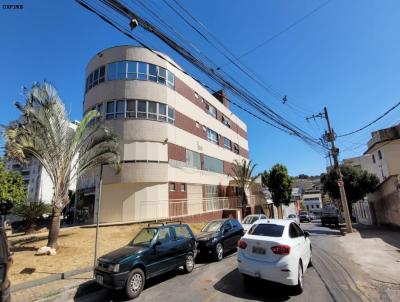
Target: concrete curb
[{"x": 55, "y": 277}]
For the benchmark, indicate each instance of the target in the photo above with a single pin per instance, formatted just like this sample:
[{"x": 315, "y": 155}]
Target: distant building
[
  {"x": 37, "y": 181},
  {"x": 312, "y": 201}
]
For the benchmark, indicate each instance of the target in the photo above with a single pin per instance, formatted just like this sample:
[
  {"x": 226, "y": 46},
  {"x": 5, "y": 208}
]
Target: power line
[
  {"x": 273, "y": 37},
  {"x": 371, "y": 123},
  {"x": 277, "y": 120}
]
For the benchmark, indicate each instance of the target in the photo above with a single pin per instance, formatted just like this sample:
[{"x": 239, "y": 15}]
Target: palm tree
[
  {"x": 44, "y": 132},
  {"x": 241, "y": 174}
]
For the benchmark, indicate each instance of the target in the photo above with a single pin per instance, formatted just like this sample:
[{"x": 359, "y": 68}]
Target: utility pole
[{"x": 330, "y": 137}]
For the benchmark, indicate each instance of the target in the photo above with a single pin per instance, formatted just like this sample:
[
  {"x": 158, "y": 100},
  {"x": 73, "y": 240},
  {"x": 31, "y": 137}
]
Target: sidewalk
[
  {"x": 61, "y": 290},
  {"x": 377, "y": 251}
]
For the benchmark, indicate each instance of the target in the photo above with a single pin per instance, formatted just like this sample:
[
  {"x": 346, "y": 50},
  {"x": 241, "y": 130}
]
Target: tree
[
  {"x": 30, "y": 212},
  {"x": 44, "y": 131},
  {"x": 358, "y": 183},
  {"x": 12, "y": 190},
  {"x": 279, "y": 183},
  {"x": 242, "y": 177}
]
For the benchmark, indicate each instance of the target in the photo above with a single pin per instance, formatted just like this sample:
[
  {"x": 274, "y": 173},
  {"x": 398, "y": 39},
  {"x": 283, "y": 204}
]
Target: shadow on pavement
[
  {"x": 330, "y": 232},
  {"x": 390, "y": 236},
  {"x": 233, "y": 284}
]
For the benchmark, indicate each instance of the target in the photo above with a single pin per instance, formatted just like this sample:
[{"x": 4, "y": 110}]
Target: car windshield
[
  {"x": 269, "y": 230},
  {"x": 144, "y": 237},
  {"x": 303, "y": 213},
  {"x": 212, "y": 226},
  {"x": 250, "y": 219},
  {"x": 292, "y": 216}
]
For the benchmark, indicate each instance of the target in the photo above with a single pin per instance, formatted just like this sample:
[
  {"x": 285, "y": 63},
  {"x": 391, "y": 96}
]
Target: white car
[
  {"x": 293, "y": 217},
  {"x": 250, "y": 219},
  {"x": 276, "y": 250}
]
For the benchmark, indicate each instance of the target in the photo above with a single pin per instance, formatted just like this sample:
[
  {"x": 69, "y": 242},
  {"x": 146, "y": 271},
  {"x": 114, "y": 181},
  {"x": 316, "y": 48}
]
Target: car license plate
[
  {"x": 258, "y": 250},
  {"x": 99, "y": 279}
]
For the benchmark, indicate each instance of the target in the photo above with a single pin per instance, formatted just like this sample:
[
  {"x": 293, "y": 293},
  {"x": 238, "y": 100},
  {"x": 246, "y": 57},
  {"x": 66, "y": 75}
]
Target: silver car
[{"x": 250, "y": 219}]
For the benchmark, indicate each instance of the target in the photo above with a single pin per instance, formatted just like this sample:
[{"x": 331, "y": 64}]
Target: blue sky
[{"x": 345, "y": 57}]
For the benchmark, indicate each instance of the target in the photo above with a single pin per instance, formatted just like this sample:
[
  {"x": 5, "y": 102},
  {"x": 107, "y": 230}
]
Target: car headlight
[{"x": 113, "y": 268}]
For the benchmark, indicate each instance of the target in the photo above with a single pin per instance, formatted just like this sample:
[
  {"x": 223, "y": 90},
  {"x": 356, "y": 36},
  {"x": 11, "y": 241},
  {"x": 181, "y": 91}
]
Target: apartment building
[
  {"x": 312, "y": 200},
  {"x": 177, "y": 140}
]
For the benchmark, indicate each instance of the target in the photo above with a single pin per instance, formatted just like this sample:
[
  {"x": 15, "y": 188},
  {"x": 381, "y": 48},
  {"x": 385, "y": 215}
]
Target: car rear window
[{"x": 269, "y": 230}]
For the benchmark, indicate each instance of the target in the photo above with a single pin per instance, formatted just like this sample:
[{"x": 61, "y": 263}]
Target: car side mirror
[
  {"x": 158, "y": 243},
  {"x": 306, "y": 234}
]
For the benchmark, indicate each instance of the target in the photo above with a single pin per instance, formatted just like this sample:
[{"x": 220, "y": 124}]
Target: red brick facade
[{"x": 176, "y": 152}]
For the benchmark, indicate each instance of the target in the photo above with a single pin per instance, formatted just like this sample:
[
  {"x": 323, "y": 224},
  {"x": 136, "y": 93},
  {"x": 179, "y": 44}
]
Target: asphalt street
[{"x": 333, "y": 277}]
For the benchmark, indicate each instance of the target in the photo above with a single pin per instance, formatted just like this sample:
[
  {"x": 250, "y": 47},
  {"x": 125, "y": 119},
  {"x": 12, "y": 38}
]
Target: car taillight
[
  {"x": 281, "y": 249},
  {"x": 242, "y": 244}
]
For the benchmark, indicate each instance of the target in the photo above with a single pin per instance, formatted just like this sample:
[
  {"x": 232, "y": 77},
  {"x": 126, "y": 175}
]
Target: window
[
  {"x": 110, "y": 114},
  {"x": 183, "y": 187},
  {"x": 172, "y": 187},
  {"x": 210, "y": 191},
  {"x": 299, "y": 231},
  {"x": 162, "y": 112},
  {"x": 235, "y": 223},
  {"x": 212, "y": 136},
  {"x": 131, "y": 108},
  {"x": 292, "y": 231},
  {"x": 95, "y": 77},
  {"x": 153, "y": 72},
  {"x": 142, "y": 109},
  {"x": 373, "y": 158},
  {"x": 213, "y": 164},
  {"x": 211, "y": 110},
  {"x": 312, "y": 206},
  {"x": 227, "y": 143},
  {"x": 236, "y": 148},
  {"x": 268, "y": 230},
  {"x": 317, "y": 206},
  {"x": 171, "y": 115},
  {"x": 170, "y": 79},
  {"x": 193, "y": 159},
  {"x": 132, "y": 70},
  {"x": 226, "y": 121},
  {"x": 152, "y": 110},
  {"x": 164, "y": 235},
  {"x": 379, "y": 154},
  {"x": 120, "y": 109},
  {"x": 182, "y": 232},
  {"x": 142, "y": 71}
]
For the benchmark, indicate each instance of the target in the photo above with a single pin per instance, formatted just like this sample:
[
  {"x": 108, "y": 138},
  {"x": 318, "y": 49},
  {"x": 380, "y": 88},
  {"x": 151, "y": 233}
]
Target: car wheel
[
  {"x": 189, "y": 263},
  {"x": 219, "y": 252},
  {"x": 135, "y": 283},
  {"x": 300, "y": 285}
]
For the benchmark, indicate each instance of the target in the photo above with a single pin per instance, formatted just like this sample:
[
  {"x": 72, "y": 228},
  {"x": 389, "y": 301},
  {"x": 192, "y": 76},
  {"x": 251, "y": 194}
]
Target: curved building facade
[{"x": 177, "y": 140}]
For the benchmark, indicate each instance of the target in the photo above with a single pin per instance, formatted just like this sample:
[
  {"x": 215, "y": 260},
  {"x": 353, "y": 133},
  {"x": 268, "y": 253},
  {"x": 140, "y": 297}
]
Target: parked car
[
  {"x": 276, "y": 250},
  {"x": 293, "y": 217},
  {"x": 218, "y": 237},
  {"x": 156, "y": 249},
  {"x": 250, "y": 219},
  {"x": 305, "y": 217},
  {"x": 5, "y": 263},
  {"x": 330, "y": 216}
]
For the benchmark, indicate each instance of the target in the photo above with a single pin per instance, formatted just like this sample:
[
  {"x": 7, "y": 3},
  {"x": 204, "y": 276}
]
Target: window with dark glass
[
  {"x": 131, "y": 108},
  {"x": 183, "y": 187},
  {"x": 102, "y": 71},
  {"x": 153, "y": 72},
  {"x": 170, "y": 79},
  {"x": 379, "y": 154},
  {"x": 110, "y": 113},
  {"x": 193, "y": 159},
  {"x": 152, "y": 110},
  {"x": 172, "y": 186},
  {"x": 171, "y": 115},
  {"x": 112, "y": 71},
  {"x": 373, "y": 158},
  {"x": 121, "y": 70},
  {"x": 227, "y": 143},
  {"x": 142, "y": 109},
  {"x": 120, "y": 110},
  {"x": 162, "y": 75}
]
